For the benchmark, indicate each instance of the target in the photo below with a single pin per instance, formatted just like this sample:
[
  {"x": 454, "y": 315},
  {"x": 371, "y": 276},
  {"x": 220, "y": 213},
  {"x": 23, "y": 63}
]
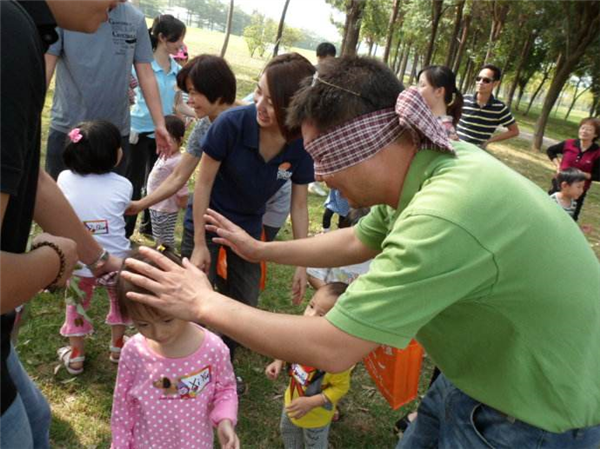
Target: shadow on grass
[{"x": 63, "y": 436}]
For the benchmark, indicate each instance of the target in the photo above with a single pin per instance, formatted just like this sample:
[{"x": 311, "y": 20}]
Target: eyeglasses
[{"x": 483, "y": 79}]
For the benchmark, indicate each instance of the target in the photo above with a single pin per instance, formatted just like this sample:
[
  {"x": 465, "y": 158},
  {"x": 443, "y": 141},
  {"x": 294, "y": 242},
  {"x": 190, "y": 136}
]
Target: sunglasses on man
[{"x": 484, "y": 80}]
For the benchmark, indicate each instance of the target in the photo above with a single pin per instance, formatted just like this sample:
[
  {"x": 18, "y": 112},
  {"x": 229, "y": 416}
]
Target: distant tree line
[
  {"x": 212, "y": 15},
  {"x": 549, "y": 46}
]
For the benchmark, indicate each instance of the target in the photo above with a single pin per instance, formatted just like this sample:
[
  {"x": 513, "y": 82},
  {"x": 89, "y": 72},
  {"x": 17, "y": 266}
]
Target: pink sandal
[{"x": 115, "y": 351}]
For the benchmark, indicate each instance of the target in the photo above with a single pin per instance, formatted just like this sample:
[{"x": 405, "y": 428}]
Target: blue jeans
[
  {"x": 449, "y": 419},
  {"x": 26, "y": 423}
]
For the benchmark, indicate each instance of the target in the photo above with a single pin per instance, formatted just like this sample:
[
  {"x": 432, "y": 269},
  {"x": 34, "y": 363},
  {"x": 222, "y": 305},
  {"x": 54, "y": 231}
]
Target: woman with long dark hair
[
  {"x": 248, "y": 154},
  {"x": 437, "y": 85}
]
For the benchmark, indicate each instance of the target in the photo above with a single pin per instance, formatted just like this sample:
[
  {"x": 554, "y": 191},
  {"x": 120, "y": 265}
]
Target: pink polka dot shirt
[{"x": 167, "y": 403}]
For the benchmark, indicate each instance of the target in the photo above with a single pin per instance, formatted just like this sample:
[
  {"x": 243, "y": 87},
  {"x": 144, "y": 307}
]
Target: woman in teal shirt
[{"x": 167, "y": 34}]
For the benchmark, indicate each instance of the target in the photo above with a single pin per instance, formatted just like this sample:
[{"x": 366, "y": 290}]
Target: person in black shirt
[{"x": 28, "y": 193}]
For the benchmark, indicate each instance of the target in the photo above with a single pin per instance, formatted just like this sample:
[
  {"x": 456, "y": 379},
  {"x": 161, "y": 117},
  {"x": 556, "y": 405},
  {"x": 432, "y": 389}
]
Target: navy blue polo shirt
[{"x": 245, "y": 182}]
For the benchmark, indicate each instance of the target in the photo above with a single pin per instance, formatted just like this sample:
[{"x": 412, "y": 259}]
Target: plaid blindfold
[{"x": 363, "y": 137}]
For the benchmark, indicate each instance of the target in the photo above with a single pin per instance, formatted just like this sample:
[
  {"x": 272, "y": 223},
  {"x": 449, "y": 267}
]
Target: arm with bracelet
[
  {"x": 56, "y": 216},
  {"x": 54, "y": 253}
]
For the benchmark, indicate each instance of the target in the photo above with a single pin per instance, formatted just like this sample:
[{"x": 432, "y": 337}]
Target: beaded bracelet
[{"x": 61, "y": 255}]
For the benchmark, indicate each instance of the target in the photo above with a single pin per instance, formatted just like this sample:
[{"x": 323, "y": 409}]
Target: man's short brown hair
[{"x": 346, "y": 88}]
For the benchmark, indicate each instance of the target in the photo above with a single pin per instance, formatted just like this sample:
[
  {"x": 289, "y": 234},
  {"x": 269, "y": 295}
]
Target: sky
[{"x": 311, "y": 15}]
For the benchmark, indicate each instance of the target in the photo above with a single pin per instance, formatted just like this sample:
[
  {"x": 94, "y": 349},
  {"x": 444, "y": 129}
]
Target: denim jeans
[
  {"x": 449, "y": 419},
  {"x": 26, "y": 423}
]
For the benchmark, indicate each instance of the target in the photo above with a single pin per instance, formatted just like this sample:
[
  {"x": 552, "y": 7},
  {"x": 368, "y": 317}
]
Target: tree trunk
[
  {"x": 537, "y": 91},
  {"x": 456, "y": 30},
  {"x": 561, "y": 97},
  {"x": 228, "y": 31},
  {"x": 371, "y": 44},
  {"x": 520, "y": 96},
  {"x": 561, "y": 75},
  {"x": 462, "y": 43},
  {"x": 404, "y": 62},
  {"x": 499, "y": 13},
  {"x": 396, "y": 61},
  {"x": 575, "y": 98},
  {"x": 413, "y": 70},
  {"x": 354, "y": 13},
  {"x": 593, "y": 106},
  {"x": 280, "y": 28},
  {"x": 504, "y": 69},
  {"x": 522, "y": 59},
  {"x": 578, "y": 40},
  {"x": 390, "y": 32},
  {"x": 436, "y": 15},
  {"x": 463, "y": 78}
]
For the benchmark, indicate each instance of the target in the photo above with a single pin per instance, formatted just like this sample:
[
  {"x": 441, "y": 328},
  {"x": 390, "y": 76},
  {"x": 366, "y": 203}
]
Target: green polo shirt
[{"x": 494, "y": 280}]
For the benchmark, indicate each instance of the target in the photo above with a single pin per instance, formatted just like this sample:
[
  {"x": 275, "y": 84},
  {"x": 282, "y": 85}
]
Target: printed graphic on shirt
[
  {"x": 283, "y": 171},
  {"x": 305, "y": 380},
  {"x": 97, "y": 227},
  {"x": 124, "y": 35},
  {"x": 185, "y": 387}
]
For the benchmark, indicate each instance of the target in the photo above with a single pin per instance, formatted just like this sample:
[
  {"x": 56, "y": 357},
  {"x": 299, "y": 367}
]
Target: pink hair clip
[{"x": 75, "y": 135}]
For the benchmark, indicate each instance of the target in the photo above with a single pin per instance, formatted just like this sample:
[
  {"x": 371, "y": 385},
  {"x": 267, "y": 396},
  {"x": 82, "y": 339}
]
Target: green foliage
[
  {"x": 254, "y": 34},
  {"x": 261, "y": 34},
  {"x": 375, "y": 21}
]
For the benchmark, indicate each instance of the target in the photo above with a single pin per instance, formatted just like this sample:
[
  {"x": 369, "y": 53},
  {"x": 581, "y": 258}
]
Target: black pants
[
  {"x": 328, "y": 215},
  {"x": 243, "y": 277},
  {"x": 142, "y": 157}
]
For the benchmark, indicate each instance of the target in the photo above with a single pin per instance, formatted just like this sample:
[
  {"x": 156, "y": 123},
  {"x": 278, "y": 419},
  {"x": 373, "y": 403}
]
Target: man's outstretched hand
[
  {"x": 177, "y": 291},
  {"x": 232, "y": 236}
]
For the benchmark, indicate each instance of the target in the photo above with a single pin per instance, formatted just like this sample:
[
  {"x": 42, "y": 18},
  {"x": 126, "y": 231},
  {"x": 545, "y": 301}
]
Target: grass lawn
[{"x": 82, "y": 405}]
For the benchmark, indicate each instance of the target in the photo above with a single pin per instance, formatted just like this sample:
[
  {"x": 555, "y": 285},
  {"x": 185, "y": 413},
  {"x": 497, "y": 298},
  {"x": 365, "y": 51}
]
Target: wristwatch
[{"x": 100, "y": 261}]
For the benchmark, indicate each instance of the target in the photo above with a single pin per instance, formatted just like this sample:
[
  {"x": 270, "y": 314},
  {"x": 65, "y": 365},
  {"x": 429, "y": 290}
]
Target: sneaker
[
  {"x": 241, "y": 386},
  {"x": 315, "y": 187}
]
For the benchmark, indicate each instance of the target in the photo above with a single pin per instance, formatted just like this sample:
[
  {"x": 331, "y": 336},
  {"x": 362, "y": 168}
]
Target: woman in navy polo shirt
[{"x": 248, "y": 154}]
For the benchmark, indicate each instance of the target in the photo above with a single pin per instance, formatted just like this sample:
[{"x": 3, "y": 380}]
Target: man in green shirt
[{"x": 470, "y": 258}]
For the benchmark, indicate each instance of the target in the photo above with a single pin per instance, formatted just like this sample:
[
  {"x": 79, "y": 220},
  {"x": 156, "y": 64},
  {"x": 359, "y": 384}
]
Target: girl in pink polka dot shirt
[{"x": 175, "y": 383}]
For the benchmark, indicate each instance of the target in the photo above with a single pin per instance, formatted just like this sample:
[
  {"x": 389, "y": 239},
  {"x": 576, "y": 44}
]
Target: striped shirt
[
  {"x": 570, "y": 209},
  {"x": 477, "y": 124}
]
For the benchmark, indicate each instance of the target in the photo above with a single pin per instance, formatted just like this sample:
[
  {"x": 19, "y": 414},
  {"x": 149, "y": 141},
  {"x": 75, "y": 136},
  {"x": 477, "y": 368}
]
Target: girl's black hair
[
  {"x": 170, "y": 27},
  {"x": 92, "y": 147},
  {"x": 441, "y": 76},
  {"x": 175, "y": 127}
]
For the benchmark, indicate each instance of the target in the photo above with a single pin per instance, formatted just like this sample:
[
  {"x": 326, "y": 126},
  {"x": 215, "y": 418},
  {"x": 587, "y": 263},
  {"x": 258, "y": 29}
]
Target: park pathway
[{"x": 528, "y": 136}]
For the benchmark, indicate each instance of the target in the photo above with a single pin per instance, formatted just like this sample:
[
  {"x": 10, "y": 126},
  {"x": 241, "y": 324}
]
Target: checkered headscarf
[{"x": 364, "y": 136}]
